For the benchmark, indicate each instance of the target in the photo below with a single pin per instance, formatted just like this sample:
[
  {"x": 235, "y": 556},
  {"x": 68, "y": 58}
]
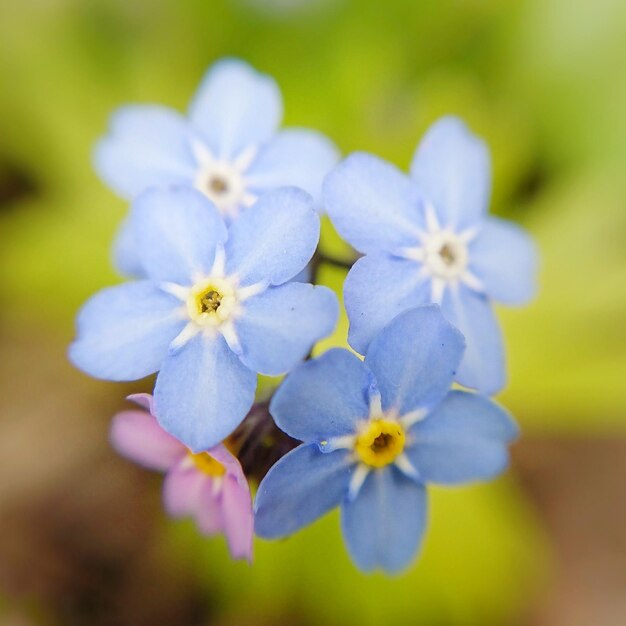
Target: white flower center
[
  {"x": 445, "y": 254},
  {"x": 223, "y": 181},
  {"x": 224, "y": 185}
]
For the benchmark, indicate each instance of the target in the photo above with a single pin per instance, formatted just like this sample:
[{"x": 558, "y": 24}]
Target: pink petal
[
  {"x": 209, "y": 514},
  {"x": 144, "y": 400},
  {"x": 137, "y": 436},
  {"x": 233, "y": 468},
  {"x": 182, "y": 489},
  {"x": 237, "y": 517}
]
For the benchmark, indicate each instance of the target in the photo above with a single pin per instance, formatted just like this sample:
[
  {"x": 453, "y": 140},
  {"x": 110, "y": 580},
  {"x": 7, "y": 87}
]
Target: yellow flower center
[
  {"x": 207, "y": 464},
  {"x": 381, "y": 443},
  {"x": 211, "y": 301}
]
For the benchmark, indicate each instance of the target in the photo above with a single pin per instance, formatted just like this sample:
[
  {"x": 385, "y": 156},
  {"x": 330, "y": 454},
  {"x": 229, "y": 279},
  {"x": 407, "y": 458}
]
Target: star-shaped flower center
[
  {"x": 379, "y": 441},
  {"x": 444, "y": 256},
  {"x": 223, "y": 180},
  {"x": 212, "y": 304},
  {"x": 223, "y": 184}
]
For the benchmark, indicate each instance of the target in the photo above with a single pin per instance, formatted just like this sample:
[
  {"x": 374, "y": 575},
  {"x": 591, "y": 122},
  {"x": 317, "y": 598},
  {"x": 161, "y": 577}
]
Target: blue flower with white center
[
  {"x": 374, "y": 433},
  {"x": 229, "y": 147},
  {"x": 214, "y": 310},
  {"x": 427, "y": 238}
]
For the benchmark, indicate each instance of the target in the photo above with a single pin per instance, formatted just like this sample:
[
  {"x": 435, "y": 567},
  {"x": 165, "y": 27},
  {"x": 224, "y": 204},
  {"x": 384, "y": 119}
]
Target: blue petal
[
  {"x": 504, "y": 258},
  {"x": 203, "y": 392},
  {"x": 452, "y": 167},
  {"x": 177, "y": 230},
  {"x": 414, "y": 359},
  {"x": 304, "y": 275},
  {"x": 295, "y": 157},
  {"x": 279, "y": 327},
  {"x": 146, "y": 145},
  {"x": 464, "y": 439},
  {"x": 124, "y": 332},
  {"x": 274, "y": 239},
  {"x": 323, "y": 398},
  {"x": 483, "y": 366},
  {"x": 373, "y": 205},
  {"x": 377, "y": 288},
  {"x": 125, "y": 255},
  {"x": 384, "y": 526},
  {"x": 235, "y": 107},
  {"x": 301, "y": 487}
]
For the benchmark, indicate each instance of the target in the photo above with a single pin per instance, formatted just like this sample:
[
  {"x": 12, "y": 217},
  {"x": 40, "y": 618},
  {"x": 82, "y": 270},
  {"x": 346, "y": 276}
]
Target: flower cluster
[{"x": 221, "y": 247}]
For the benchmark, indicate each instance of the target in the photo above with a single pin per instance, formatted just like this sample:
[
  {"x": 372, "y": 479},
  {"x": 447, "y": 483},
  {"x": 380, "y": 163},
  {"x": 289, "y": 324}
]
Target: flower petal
[
  {"x": 235, "y": 107},
  {"x": 452, "y": 167},
  {"x": 177, "y": 230},
  {"x": 146, "y": 145},
  {"x": 274, "y": 239},
  {"x": 294, "y": 157},
  {"x": 301, "y": 487},
  {"x": 384, "y": 525},
  {"x": 183, "y": 488},
  {"x": 463, "y": 439},
  {"x": 323, "y": 398},
  {"x": 280, "y": 326},
  {"x": 483, "y": 366},
  {"x": 203, "y": 392},
  {"x": 144, "y": 400},
  {"x": 238, "y": 518},
  {"x": 504, "y": 258},
  {"x": 414, "y": 359},
  {"x": 372, "y": 204},
  {"x": 303, "y": 276},
  {"x": 224, "y": 456},
  {"x": 137, "y": 436},
  {"x": 124, "y": 332},
  {"x": 377, "y": 288},
  {"x": 126, "y": 257},
  {"x": 209, "y": 510}
]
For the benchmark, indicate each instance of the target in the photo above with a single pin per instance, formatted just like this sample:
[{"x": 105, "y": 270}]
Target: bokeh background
[{"x": 83, "y": 540}]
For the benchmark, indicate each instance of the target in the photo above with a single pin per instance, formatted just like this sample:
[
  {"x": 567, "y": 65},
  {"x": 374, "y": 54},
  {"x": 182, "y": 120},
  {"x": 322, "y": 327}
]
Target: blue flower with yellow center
[
  {"x": 216, "y": 308},
  {"x": 427, "y": 239},
  {"x": 374, "y": 433}
]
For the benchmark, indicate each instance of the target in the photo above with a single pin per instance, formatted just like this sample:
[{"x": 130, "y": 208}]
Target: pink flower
[{"x": 209, "y": 486}]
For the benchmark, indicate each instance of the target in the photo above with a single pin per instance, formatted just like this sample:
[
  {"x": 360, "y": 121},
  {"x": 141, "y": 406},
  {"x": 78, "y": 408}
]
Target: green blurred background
[{"x": 82, "y": 536}]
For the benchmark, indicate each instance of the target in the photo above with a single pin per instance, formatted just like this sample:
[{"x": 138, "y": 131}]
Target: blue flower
[
  {"x": 213, "y": 310},
  {"x": 374, "y": 433},
  {"x": 229, "y": 147},
  {"x": 427, "y": 238}
]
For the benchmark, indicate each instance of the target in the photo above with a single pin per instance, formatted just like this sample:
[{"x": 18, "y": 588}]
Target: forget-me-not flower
[
  {"x": 209, "y": 486},
  {"x": 374, "y": 433},
  {"x": 229, "y": 147},
  {"x": 213, "y": 311},
  {"x": 427, "y": 238}
]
